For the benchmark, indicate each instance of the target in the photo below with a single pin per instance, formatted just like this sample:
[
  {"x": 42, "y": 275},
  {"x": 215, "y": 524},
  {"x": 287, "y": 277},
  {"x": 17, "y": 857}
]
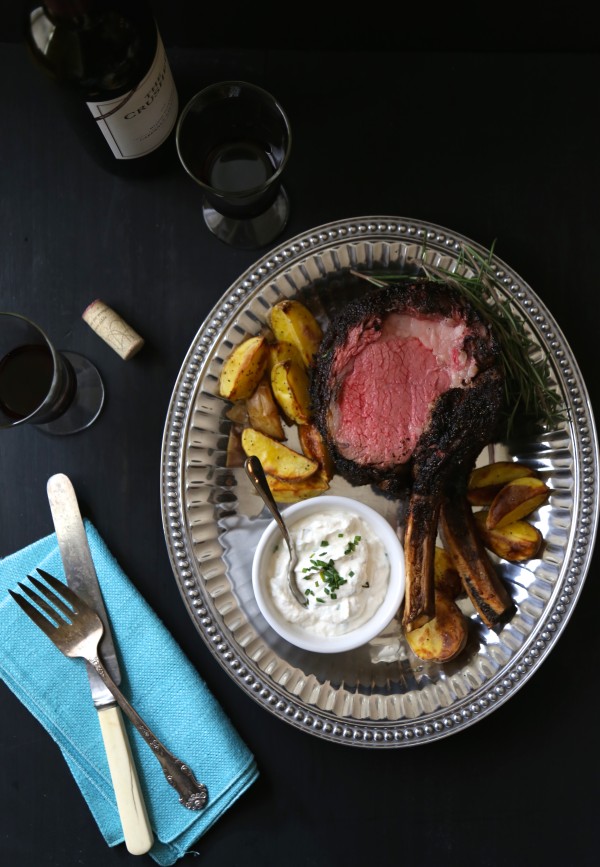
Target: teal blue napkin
[{"x": 158, "y": 680}]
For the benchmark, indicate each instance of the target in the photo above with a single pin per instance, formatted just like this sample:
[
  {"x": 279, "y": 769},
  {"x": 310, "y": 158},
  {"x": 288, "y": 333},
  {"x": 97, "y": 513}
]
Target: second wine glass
[
  {"x": 234, "y": 139},
  {"x": 60, "y": 392}
]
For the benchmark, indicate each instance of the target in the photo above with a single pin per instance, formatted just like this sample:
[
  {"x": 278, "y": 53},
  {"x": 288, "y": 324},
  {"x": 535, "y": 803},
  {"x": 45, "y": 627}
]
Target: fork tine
[
  {"x": 54, "y": 598},
  {"x": 62, "y": 589},
  {"x": 39, "y": 619},
  {"x": 50, "y": 596}
]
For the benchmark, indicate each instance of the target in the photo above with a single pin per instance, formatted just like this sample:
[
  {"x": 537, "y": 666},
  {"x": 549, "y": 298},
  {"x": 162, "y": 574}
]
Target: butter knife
[{"x": 82, "y": 578}]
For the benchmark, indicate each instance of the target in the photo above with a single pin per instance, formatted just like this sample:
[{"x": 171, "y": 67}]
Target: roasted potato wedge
[
  {"x": 289, "y": 382},
  {"x": 277, "y": 459},
  {"x": 292, "y": 322},
  {"x": 263, "y": 411},
  {"x": 290, "y": 491},
  {"x": 485, "y": 482},
  {"x": 516, "y": 500},
  {"x": 283, "y": 351},
  {"x": 515, "y": 542},
  {"x": 235, "y": 453},
  {"x": 238, "y": 413},
  {"x": 445, "y": 577},
  {"x": 444, "y": 637},
  {"x": 244, "y": 368},
  {"x": 314, "y": 447}
]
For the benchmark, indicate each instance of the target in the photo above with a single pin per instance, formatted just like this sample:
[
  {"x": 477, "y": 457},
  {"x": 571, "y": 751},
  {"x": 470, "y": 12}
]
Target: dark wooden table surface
[{"x": 499, "y": 146}]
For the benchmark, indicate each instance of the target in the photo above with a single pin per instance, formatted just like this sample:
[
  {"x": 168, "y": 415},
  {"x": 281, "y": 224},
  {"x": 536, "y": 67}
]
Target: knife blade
[{"x": 82, "y": 578}]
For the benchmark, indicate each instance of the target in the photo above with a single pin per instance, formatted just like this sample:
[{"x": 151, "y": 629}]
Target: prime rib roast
[{"x": 407, "y": 390}]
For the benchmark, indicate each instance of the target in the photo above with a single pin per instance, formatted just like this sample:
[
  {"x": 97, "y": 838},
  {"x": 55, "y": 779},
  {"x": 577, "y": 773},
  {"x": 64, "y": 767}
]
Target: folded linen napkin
[{"x": 160, "y": 683}]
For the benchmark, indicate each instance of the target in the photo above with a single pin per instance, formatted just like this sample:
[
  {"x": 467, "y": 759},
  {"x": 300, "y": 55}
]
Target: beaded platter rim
[{"x": 321, "y": 245}]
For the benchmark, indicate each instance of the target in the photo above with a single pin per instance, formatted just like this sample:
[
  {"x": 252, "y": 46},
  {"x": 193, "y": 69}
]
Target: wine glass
[
  {"x": 58, "y": 391},
  {"x": 234, "y": 138}
]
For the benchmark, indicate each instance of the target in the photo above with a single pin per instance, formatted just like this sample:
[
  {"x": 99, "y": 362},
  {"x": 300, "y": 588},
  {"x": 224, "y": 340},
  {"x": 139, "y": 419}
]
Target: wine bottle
[{"x": 109, "y": 65}]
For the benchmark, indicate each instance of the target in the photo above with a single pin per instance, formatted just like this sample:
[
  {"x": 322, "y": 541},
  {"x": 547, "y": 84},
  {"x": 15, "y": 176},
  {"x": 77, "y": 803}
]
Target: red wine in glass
[
  {"x": 59, "y": 392},
  {"x": 234, "y": 139}
]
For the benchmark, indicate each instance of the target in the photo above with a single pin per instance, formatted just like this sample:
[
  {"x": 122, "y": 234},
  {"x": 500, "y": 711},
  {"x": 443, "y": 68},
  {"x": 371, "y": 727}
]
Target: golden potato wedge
[
  {"x": 444, "y": 637},
  {"x": 238, "y": 413},
  {"x": 445, "y": 577},
  {"x": 290, "y": 491},
  {"x": 292, "y": 322},
  {"x": 235, "y": 453},
  {"x": 313, "y": 446},
  {"x": 263, "y": 411},
  {"x": 277, "y": 459},
  {"x": 244, "y": 368},
  {"x": 516, "y": 500},
  {"x": 280, "y": 351},
  {"x": 514, "y": 542},
  {"x": 485, "y": 482},
  {"x": 289, "y": 382}
]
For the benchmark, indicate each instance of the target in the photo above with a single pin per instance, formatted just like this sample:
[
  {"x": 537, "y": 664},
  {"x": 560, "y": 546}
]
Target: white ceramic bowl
[{"x": 297, "y": 634}]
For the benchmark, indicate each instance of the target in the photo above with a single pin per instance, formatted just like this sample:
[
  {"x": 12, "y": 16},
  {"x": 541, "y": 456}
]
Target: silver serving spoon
[{"x": 256, "y": 474}]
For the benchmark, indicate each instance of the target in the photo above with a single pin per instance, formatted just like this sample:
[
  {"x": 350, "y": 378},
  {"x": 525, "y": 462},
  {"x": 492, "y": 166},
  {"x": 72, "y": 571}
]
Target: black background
[
  {"x": 466, "y": 25},
  {"x": 483, "y": 121}
]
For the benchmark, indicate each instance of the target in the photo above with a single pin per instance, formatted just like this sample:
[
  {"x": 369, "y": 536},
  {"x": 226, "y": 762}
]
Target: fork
[{"x": 76, "y": 631}]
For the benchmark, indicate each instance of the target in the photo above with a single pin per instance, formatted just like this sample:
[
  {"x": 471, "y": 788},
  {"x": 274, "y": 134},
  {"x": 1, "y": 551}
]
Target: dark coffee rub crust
[
  {"x": 461, "y": 425},
  {"x": 432, "y": 299}
]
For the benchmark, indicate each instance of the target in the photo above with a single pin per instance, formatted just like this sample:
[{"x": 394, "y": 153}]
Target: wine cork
[{"x": 112, "y": 329}]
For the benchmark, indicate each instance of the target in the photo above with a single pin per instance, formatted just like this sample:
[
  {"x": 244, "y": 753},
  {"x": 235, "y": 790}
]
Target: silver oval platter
[{"x": 380, "y": 696}]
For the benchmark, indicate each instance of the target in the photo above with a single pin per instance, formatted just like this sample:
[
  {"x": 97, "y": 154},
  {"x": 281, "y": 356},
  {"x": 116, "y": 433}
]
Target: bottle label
[{"x": 139, "y": 121}]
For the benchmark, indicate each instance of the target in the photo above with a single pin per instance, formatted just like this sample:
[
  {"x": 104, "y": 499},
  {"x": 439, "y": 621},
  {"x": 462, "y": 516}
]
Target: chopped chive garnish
[
  {"x": 328, "y": 574},
  {"x": 352, "y": 545}
]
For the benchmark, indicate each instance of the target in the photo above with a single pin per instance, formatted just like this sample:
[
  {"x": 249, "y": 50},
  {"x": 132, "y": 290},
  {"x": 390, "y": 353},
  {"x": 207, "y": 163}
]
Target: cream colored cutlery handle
[
  {"x": 130, "y": 802},
  {"x": 192, "y": 794}
]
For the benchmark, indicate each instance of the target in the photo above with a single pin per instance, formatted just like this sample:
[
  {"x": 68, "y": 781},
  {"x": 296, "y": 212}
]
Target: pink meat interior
[{"x": 388, "y": 379}]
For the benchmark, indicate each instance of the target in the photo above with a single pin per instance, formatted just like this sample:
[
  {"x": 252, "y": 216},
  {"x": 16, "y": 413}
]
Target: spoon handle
[{"x": 256, "y": 474}]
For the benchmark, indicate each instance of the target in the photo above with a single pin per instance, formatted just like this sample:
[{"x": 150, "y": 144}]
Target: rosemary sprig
[{"x": 529, "y": 392}]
